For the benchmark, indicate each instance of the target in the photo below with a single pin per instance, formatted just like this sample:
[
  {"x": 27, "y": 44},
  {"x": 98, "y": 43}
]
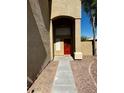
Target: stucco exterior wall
[
  {"x": 38, "y": 42},
  {"x": 61, "y": 51},
  {"x": 86, "y": 48},
  {"x": 66, "y": 7},
  {"x": 77, "y": 35}
]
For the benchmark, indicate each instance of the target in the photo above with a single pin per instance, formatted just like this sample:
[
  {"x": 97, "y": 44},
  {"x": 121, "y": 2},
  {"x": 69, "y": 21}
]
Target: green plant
[{"x": 84, "y": 38}]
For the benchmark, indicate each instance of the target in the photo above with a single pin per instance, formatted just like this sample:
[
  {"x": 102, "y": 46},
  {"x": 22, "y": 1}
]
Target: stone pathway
[{"x": 64, "y": 81}]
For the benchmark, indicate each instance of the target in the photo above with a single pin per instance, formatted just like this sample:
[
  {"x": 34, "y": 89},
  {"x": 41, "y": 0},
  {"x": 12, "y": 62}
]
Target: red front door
[{"x": 67, "y": 46}]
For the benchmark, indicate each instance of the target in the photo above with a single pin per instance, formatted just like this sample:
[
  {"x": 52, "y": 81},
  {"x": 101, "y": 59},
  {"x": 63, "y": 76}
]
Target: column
[{"x": 78, "y": 53}]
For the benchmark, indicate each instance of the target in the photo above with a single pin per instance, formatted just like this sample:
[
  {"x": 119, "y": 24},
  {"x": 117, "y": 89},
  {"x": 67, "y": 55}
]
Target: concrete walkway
[{"x": 64, "y": 81}]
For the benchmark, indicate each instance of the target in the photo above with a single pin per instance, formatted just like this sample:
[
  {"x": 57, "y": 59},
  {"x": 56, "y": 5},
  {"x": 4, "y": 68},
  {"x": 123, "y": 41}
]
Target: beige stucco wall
[
  {"x": 38, "y": 41},
  {"x": 86, "y": 48},
  {"x": 66, "y": 7},
  {"x": 61, "y": 51},
  {"x": 77, "y": 35},
  {"x": 70, "y": 8}
]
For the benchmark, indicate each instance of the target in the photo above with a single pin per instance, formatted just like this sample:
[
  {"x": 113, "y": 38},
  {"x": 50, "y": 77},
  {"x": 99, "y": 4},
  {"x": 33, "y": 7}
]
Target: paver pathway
[{"x": 64, "y": 81}]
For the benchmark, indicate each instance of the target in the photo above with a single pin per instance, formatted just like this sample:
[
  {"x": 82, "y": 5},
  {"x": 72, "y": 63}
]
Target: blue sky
[{"x": 86, "y": 28}]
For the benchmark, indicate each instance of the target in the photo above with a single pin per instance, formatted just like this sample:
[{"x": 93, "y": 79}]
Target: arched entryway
[{"x": 63, "y": 35}]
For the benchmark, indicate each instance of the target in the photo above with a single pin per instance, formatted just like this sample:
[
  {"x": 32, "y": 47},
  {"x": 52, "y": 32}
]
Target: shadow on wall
[
  {"x": 45, "y": 6},
  {"x": 36, "y": 53}
]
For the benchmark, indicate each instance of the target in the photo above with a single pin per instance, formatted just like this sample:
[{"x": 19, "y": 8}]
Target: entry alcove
[{"x": 63, "y": 35}]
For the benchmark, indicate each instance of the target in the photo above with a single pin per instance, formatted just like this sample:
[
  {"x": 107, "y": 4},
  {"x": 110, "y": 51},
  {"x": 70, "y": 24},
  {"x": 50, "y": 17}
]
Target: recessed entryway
[{"x": 63, "y": 36}]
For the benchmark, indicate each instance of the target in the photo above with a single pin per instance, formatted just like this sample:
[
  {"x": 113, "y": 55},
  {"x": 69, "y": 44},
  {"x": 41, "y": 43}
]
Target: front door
[{"x": 67, "y": 46}]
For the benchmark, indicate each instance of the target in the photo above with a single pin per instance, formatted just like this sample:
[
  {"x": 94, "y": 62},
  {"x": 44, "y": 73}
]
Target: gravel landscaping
[{"x": 84, "y": 72}]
